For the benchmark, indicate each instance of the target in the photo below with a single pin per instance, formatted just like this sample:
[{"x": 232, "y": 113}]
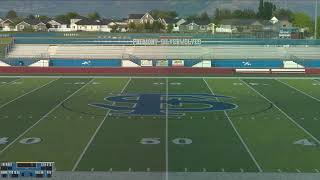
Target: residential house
[
  {"x": 31, "y": 24},
  {"x": 73, "y": 22},
  {"x": 224, "y": 29},
  {"x": 176, "y": 22},
  {"x": 241, "y": 25},
  {"x": 8, "y": 25},
  {"x": 199, "y": 26},
  {"x": 106, "y": 25},
  {"x": 103, "y": 25},
  {"x": 122, "y": 25},
  {"x": 88, "y": 25},
  {"x": 1, "y": 20},
  {"x": 285, "y": 23},
  {"x": 60, "y": 26},
  {"x": 140, "y": 18}
]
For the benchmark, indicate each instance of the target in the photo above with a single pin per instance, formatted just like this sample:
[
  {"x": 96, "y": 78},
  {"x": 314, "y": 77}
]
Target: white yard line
[
  {"x": 3, "y": 105},
  {"x": 95, "y": 133},
  {"x": 167, "y": 132},
  {"x": 291, "y": 119},
  {"x": 18, "y": 78},
  {"x": 43, "y": 117},
  {"x": 238, "y": 134},
  {"x": 302, "y": 92}
]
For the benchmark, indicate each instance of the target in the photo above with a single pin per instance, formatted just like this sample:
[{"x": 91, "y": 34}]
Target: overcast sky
[{"x": 120, "y": 8}]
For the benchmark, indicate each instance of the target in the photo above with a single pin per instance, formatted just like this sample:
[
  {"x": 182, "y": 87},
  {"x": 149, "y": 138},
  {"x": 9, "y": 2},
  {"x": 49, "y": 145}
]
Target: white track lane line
[
  {"x": 43, "y": 117},
  {"x": 1, "y": 106},
  {"x": 300, "y": 91},
  {"x": 95, "y": 133},
  {"x": 238, "y": 134},
  {"x": 291, "y": 119}
]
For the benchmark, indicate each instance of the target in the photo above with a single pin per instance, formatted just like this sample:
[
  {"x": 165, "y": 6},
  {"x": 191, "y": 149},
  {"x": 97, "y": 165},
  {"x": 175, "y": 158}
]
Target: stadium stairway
[
  {"x": 3, "y": 64},
  {"x": 28, "y": 51},
  {"x": 40, "y": 63},
  {"x": 291, "y": 64}
]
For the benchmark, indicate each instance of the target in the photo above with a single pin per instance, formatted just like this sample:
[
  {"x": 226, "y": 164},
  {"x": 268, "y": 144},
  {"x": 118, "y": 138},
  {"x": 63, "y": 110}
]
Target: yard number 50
[{"x": 178, "y": 141}]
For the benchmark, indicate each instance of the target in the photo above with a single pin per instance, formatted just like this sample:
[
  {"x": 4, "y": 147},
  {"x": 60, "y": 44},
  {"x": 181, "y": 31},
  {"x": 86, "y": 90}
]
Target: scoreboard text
[{"x": 26, "y": 169}]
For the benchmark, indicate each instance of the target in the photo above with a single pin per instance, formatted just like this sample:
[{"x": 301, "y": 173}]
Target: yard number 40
[{"x": 179, "y": 141}]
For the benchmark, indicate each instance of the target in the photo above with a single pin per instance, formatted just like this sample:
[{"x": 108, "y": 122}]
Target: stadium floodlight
[{"x": 316, "y": 20}]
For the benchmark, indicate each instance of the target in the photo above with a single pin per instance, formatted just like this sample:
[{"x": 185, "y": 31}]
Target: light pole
[{"x": 316, "y": 20}]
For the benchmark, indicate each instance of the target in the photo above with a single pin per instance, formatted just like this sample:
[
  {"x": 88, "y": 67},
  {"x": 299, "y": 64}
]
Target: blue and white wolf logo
[{"x": 153, "y": 104}]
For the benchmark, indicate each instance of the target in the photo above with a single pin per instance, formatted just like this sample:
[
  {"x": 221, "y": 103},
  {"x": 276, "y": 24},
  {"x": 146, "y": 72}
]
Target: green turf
[
  {"x": 117, "y": 142},
  {"x": 17, "y": 116},
  {"x": 215, "y": 146},
  {"x": 269, "y": 133},
  {"x": 271, "y": 116}
]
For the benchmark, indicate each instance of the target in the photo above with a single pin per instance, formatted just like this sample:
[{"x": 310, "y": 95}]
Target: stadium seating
[
  {"x": 261, "y": 63},
  {"x": 85, "y": 63}
]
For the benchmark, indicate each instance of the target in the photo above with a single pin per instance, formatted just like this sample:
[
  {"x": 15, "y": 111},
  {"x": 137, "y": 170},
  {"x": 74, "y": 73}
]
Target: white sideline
[
  {"x": 238, "y": 134},
  {"x": 292, "y": 120},
  {"x": 53, "y": 109},
  {"x": 95, "y": 133},
  {"x": 167, "y": 132},
  {"x": 302, "y": 92},
  {"x": 33, "y": 90},
  {"x": 162, "y": 77},
  {"x": 10, "y": 82}
]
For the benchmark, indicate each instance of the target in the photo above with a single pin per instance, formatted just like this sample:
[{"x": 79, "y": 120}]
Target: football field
[{"x": 142, "y": 124}]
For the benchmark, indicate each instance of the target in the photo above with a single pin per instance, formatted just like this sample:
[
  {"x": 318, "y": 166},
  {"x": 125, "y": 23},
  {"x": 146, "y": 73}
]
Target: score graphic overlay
[{"x": 26, "y": 169}]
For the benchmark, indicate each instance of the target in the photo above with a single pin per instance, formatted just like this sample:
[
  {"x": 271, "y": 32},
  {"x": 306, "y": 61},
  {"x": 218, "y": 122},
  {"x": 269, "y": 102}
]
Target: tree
[
  {"x": 265, "y": 10},
  {"x": 284, "y": 14},
  {"x": 302, "y": 20},
  {"x": 148, "y": 26},
  {"x": 43, "y": 18},
  {"x": 204, "y": 16},
  {"x": 243, "y": 14},
  {"x": 132, "y": 26},
  {"x": 114, "y": 28},
  {"x": 71, "y": 15},
  {"x": 169, "y": 28},
  {"x": 260, "y": 9},
  {"x": 94, "y": 16},
  {"x": 318, "y": 27},
  {"x": 157, "y": 27},
  {"x": 163, "y": 14},
  {"x": 11, "y": 15},
  {"x": 31, "y": 16},
  {"x": 66, "y": 17},
  {"x": 222, "y": 14}
]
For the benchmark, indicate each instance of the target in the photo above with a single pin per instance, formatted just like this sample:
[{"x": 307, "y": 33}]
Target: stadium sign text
[{"x": 163, "y": 42}]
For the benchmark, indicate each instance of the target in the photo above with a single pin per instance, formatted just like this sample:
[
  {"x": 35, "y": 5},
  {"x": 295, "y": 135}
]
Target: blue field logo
[{"x": 158, "y": 104}]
